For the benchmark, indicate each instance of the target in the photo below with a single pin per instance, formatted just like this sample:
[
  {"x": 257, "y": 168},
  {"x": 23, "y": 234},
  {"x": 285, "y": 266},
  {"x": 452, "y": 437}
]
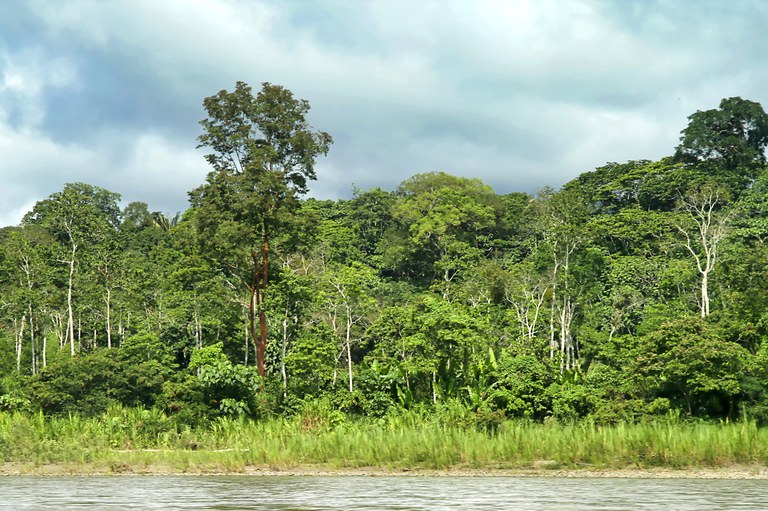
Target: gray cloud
[{"x": 521, "y": 94}]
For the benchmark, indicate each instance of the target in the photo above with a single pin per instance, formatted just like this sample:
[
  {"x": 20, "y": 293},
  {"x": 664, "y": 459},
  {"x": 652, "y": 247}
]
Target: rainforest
[{"x": 621, "y": 319}]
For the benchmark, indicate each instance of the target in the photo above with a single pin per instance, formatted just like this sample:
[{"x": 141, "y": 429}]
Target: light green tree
[
  {"x": 446, "y": 218},
  {"x": 80, "y": 218}
]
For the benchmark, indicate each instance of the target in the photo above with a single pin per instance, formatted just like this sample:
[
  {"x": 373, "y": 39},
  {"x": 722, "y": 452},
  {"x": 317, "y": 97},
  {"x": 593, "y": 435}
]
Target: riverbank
[
  {"x": 10, "y": 469},
  {"x": 140, "y": 441}
]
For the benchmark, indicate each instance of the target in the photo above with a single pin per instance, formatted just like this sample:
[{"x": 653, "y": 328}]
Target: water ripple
[{"x": 302, "y": 493}]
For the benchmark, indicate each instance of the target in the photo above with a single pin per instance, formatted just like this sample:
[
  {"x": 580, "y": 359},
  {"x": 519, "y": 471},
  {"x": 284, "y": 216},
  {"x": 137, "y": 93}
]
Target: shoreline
[{"x": 14, "y": 469}]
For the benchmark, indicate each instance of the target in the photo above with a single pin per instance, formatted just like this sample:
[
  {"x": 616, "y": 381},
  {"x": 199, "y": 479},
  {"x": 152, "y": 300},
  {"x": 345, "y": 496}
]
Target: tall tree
[
  {"x": 564, "y": 216},
  {"x": 371, "y": 216},
  {"x": 22, "y": 250},
  {"x": 263, "y": 155},
  {"x": 703, "y": 230},
  {"x": 81, "y": 217},
  {"x": 447, "y": 219},
  {"x": 733, "y": 136},
  {"x": 349, "y": 300}
]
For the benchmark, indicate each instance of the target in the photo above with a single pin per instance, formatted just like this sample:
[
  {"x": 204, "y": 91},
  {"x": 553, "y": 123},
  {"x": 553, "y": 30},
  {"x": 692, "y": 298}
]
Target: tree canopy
[
  {"x": 635, "y": 291},
  {"x": 733, "y": 136},
  {"x": 263, "y": 156}
]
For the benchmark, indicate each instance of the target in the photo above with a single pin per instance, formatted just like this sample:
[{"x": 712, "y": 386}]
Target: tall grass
[{"x": 129, "y": 439}]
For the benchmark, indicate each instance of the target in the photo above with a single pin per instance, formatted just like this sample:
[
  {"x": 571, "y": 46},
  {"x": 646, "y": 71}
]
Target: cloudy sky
[{"x": 522, "y": 94}]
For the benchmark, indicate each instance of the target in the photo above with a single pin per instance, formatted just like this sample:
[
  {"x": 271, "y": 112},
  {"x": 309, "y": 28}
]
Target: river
[{"x": 378, "y": 493}]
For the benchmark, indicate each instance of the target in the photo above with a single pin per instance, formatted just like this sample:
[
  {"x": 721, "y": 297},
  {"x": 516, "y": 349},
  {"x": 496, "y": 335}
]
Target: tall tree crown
[
  {"x": 266, "y": 132},
  {"x": 733, "y": 136}
]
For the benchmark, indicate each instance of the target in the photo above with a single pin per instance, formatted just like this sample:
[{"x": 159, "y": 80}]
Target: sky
[{"x": 522, "y": 94}]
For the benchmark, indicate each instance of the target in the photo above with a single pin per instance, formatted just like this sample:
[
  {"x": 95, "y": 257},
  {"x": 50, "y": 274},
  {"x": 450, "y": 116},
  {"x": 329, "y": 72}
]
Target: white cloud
[
  {"x": 520, "y": 93},
  {"x": 160, "y": 172},
  {"x": 24, "y": 78},
  {"x": 32, "y": 168}
]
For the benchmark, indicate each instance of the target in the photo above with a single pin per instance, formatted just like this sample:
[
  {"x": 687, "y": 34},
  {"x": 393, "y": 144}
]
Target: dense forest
[{"x": 636, "y": 290}]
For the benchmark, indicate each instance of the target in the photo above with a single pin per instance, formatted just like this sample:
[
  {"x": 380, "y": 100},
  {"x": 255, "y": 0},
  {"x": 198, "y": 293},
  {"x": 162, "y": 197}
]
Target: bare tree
[
  {"x": 526, "y": 292},
  {"x": 565, "y": 215},
  {"x": 703, "y": 228}
]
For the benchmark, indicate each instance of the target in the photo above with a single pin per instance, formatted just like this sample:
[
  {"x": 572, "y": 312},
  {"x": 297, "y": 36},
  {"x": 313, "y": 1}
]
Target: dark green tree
[{"x": 733, "y": 136}]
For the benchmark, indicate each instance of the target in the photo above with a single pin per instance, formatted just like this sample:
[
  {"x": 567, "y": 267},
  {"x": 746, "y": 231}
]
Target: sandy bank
[{"x": 71, "y": 469}]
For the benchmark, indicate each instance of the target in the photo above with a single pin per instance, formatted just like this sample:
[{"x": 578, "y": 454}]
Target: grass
[{"x": 128, "y": 440}]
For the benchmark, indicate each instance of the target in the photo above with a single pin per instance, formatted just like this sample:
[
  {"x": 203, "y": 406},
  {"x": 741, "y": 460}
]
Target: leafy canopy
[{"x": 732, "y": 136}]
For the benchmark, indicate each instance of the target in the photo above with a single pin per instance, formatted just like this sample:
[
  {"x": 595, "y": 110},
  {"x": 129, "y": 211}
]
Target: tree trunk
[
  {"x": 552, "y": 306},
  {"x": 35, "y": 362},
  {"x": 70, "y": 311},
  {"x": 20, "y": 342},
  {"x": 246, "y": 343},
  {"x": 32, "y": 340},
  {"x": 262, "y": 311},
  {"x": 282, "y": 355},
  {"x": 567, "y": 352},
  {"x": 349, "y": 348},
  {"x": 57, "y": 322},
  {"x": 253, "y": 303},
  {"x": 27, "y": 269},
  {"x": 109, "y": 318},
  {"x": 258, "y": 290},
  {"x": 198, "y": 330}
]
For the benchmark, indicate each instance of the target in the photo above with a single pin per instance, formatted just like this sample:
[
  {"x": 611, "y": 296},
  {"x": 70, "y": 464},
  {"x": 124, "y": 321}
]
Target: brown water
[{"x": 378, "y": 493}]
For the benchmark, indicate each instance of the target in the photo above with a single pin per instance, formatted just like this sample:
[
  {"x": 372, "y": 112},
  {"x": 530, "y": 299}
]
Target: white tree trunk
[
  {"x": 20, "y": 342},
  {"x": 349, "y": 348},
  {"x": 710, "y": 230},
  {"x": 70, "y": 309},
  {"x": 283, "y": 372},
  {"x": 109, "y": 317}
]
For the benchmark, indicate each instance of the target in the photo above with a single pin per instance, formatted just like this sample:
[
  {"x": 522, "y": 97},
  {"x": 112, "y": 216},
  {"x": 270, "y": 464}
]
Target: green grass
[{"x": 130, "y": 439}]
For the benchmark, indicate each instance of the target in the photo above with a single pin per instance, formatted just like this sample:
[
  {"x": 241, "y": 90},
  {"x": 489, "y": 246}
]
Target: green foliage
[
  {"x": 371, "y": 217},
  {"x": 147, "y": 363},
  {"x": 446, "y": 219},
  {"x": 231, "y": 388},
  {"x": 374, "y": 395},
  {"x": 570, "y": 401},
  {"x": 207, "y": 356},
  {"x": 86, "y": 384},
  {"x": 439, "y": 303},
  {"x": 311, "y": 362},
  {"x": 14, "y": 395},
  {"x": 521, "y": 386},
  {"x": 751, "y": 219},
  {"x": 690, "y": 360},
  {"x": 734, "y": 136}
]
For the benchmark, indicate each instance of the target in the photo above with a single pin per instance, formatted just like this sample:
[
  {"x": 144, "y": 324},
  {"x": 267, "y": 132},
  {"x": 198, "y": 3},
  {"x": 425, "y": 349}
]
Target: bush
[
  {"x": 570, "y": 401},
  {"x": 85, "y": 384},
  {"x": 146, "y": 364},
  {"x": 520, "y": 389}
]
